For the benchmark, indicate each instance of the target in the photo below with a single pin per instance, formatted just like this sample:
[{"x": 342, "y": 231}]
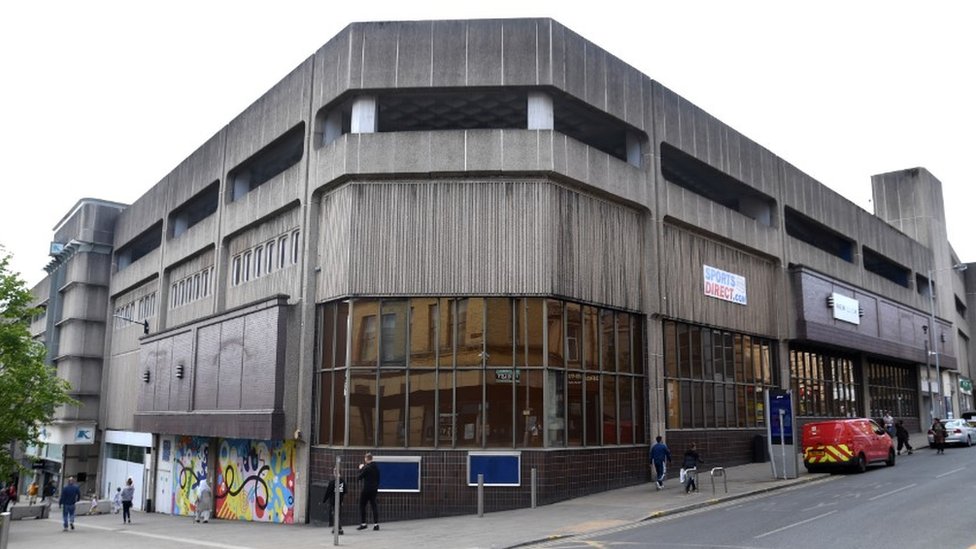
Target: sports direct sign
[{"x": 724, "y": 285}]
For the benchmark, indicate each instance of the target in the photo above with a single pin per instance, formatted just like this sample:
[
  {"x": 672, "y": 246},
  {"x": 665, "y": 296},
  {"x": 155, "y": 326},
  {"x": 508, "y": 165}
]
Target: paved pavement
[{"x": 506, "y": 529}]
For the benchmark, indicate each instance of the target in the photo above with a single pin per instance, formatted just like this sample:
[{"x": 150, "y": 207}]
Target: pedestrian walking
[
  {"x": 689, "y": 467},
  {"x": 889, "y": 423},
  {"x": 938, "y": 436},
  {"x": 4, "y": 499},
  {"x": 127, "y": 494},
  {"x": 117, "y": 501},
  {"x": 329, "y": 500},
  {"x": 70, "y": 495},
  {"x": 660, "y": 458},
  {"x": 204, "y": 504},
  {"x": 369, "y": 473},
  {"x": 32, "y": 493},
  {"x": 902, "y": 434},
  {"x": 49, "y": 490}
]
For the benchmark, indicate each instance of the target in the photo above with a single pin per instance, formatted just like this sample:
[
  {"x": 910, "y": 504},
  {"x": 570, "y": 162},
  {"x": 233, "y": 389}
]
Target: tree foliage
[{"x": 30, "y": 390}]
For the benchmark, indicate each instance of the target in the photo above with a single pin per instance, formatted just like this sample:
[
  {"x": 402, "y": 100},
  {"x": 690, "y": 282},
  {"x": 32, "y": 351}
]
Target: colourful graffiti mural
[
  {"x": 190, "y": 465},
  {"x": 256, "y": 480}
]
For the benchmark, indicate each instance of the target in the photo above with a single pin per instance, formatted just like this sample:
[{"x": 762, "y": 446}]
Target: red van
[{"x": 845, "y": 444}]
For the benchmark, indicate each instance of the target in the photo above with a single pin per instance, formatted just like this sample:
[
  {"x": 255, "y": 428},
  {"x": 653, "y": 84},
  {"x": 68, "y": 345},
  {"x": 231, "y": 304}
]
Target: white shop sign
[
  {"x": 724, "y": 285},
  {"x": 846, "y": 309}
]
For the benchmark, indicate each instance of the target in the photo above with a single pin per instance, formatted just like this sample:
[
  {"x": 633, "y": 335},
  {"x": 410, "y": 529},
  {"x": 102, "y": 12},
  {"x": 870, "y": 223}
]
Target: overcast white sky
[{"x": 102, "y": 98}]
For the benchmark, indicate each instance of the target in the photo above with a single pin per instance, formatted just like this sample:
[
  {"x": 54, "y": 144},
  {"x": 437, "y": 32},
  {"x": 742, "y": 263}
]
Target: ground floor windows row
[
  {"x": 824, "y": 384},
  {"x": 479, "y": 373},
  {"x": 715, "y": 378}
]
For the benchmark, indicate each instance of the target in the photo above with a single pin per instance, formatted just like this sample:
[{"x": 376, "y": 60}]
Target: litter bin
[{"x": 759, "y": 449}]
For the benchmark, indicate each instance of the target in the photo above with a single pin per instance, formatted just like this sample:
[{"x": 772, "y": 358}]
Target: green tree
[{"x": 30, "y": 390}]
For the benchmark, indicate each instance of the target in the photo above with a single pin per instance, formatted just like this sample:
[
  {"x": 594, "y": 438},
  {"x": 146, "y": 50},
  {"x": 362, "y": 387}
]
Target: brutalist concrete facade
[{"x": 511, "y": 163}]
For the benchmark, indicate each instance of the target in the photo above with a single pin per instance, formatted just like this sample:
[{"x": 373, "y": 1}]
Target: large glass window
[
  {"x": 715, "y": 378},
  {"x": 477, "y": 372},
  {"x": 824, "y": 384},
  {"x": 892, "y": 387}
]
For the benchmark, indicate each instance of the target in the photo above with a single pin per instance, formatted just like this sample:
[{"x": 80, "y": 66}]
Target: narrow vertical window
[
  {"x": 246, "y": 266},
  {"x": 236, "y": 270},
  {"x": 282, "y": 251},
  {"x": 295, "y": 246},
  {"x": 258, "y": 260},
  {"x": 269, "y": 252}
]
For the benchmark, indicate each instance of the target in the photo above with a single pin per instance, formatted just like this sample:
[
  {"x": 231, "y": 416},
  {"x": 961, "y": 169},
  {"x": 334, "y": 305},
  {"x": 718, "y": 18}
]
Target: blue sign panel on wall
[
  {"x": 398, "y": 473},
  {"x": 780, "y": 400},
  {"x": 498, "y": 468}
]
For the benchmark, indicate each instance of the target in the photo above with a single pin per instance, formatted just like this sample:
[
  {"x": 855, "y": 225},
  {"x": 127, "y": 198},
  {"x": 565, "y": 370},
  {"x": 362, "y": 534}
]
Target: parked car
[
  {"x": 958, "y": 431},
  {"x": 846, "y": 444}
]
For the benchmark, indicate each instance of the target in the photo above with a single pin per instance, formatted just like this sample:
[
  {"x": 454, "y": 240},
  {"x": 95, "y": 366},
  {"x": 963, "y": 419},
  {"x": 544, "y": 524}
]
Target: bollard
[
  {"x": 534, "y": 484},
  {"x": 481, "y": 494},
  {"x": 4, "y": 529},
  {"x": 719, "y": 472}
]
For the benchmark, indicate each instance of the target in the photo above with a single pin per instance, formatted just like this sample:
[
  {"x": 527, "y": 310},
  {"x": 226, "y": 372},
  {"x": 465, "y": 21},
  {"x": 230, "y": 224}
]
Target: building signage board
[
  {"x": 725, "y": 285},
  {"x": 846, "y": 309}
]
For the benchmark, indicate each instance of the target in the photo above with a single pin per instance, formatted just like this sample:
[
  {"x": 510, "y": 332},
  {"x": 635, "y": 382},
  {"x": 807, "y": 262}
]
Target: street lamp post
[{"x": 933, "y": 349}]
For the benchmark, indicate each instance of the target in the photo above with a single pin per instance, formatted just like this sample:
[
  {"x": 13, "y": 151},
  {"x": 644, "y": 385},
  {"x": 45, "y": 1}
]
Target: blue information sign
[
  {"x": 780, "y": 406},
  {"x": 498, "y": 468}
]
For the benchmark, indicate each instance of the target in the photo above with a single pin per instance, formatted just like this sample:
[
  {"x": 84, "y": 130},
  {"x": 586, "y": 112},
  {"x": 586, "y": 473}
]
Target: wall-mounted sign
[
  {"x": 965, "y": 386},
  {"x": 846, "y": 309},
  {"x": 724, "y": 285}
]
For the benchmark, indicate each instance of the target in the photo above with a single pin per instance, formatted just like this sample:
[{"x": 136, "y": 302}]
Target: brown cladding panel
[
  {"x": 206, "y": 367},
  {"x": 258, "y": 383},
  {"x": 231, "y": 359}
]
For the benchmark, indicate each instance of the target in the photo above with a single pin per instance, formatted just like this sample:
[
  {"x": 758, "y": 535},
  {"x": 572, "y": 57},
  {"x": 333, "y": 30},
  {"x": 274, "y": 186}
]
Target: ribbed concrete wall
[{"x": 483, "y": 237}]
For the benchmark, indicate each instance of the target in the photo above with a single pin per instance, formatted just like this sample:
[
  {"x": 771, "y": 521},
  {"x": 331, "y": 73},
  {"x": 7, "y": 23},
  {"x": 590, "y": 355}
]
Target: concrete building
[{"x": 468, "y": 245}]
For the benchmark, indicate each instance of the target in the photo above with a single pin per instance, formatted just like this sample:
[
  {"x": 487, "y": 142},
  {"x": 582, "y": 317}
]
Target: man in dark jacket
[
  {"x": 660, "y": 453},
  {"x": 369, "y": 473},
  {"x": 70, "y": 495},
  {"x": 329, "y": 499}
]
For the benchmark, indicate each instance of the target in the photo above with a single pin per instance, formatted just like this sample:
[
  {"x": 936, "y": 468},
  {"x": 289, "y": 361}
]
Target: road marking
[
  {"x": 892, "y": 492},
  {"x": 771, "y": 532},
  {"x": 951, "y": 472},
  {"x": 182, "y": 541}
]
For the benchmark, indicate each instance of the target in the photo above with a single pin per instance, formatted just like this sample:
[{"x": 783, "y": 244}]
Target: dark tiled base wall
[
  {"x": 561, "y": 475},
  {"x": 725, "y": 448}
]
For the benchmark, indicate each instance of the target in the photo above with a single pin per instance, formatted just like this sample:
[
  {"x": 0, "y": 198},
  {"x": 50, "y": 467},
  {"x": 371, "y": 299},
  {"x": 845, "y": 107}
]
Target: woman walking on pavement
[
  {"x": 690, "y": 467},
  {"x": 127, "y": 494},
  {"x": 938, "y": 436}
]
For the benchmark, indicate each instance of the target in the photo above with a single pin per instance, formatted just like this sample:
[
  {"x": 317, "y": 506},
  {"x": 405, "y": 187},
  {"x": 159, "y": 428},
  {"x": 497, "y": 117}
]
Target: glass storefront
[
  {"x": 715, "y": 378},
  {"x": 478, "y": 372},
  {"x": 824, "y": 384}
]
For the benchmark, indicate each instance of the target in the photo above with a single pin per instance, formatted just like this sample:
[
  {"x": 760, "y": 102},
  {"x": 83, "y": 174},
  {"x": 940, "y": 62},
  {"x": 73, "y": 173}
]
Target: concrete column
[
  {"x": 540, "y": 113},
  {"x": 364, "y": 115},
  {"x": 332, "y": 128},
  {"x": 633, "y": 149}
]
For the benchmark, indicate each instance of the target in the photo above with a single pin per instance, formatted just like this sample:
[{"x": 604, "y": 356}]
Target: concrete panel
[
  {"x": 446, "y": 151},
  {"x": 206, "y": 368},
  {"x": 231, "y": 358},
  {"x": 483, "y": 150},
  {"x": 414, "y": 54},
  {"x": 484, "y": 53},
  {"x": 161, "y": 374},
  {"x": 379, "y": 55},
  {"x": 596, "y": 76},
  {"x": 520, "y": 52},
  {"x": 574, "y": 63},
  {"x": 260, "y": 365},
  {"x": 197, "y": 238},
  {"x": 448, "y": 60}
]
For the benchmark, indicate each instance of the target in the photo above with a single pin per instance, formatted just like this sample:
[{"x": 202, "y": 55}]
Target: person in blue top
[
  {"x": 70, "y": 495},
  {"x": 659, "y": 455}
]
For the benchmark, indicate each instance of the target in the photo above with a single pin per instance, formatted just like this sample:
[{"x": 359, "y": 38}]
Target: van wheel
[
  {"x": 861, "y": 465},
  {"x": 969, "y": 441},
  {"x": 890, "y": 462}
]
